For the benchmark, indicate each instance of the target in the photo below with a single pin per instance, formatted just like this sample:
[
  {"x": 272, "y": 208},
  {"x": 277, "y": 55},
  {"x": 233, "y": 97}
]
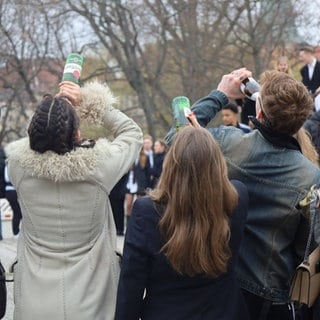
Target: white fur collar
[{"x": 76, "y": 165}]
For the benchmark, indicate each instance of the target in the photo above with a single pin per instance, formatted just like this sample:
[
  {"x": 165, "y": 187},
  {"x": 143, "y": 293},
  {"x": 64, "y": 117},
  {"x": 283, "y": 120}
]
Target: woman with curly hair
[{"x": 67, "y": 265}]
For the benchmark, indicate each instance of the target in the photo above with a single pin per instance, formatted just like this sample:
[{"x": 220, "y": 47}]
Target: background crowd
[{"x": 212, "y": 219}]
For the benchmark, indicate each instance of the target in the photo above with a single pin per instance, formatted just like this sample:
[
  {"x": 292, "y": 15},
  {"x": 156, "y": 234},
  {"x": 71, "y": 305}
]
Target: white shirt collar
[
  {"x": 312, "y": 64},
  {"x": 311, "y": 67}
]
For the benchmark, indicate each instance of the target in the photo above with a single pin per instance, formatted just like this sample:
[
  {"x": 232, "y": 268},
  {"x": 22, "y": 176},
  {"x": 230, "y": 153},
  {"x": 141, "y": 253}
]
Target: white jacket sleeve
[{"x": 117, "y": 155}]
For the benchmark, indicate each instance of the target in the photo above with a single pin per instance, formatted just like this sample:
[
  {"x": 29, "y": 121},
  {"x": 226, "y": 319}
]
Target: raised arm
[
  {"x": 97, "y": 106},
  {"x": 206, "y": 108}
]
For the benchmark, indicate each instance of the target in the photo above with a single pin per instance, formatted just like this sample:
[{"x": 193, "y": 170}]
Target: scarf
[{"x": 277, "y": 139}]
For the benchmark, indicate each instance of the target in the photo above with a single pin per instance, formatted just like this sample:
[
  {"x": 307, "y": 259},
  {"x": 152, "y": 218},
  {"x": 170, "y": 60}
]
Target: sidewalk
[{"x": 8, "y": 249}]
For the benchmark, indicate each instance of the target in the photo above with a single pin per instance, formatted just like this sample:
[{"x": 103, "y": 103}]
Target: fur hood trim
[
  {"x": 77, "y": 165},
  {"x": 97, "y": 99}
]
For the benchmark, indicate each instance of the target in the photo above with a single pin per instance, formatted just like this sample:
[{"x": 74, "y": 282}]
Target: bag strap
[
  {"x": 315, "y": 197},
  {"x": 5, "y": 276},
  {"x": 8, "y": 277}
]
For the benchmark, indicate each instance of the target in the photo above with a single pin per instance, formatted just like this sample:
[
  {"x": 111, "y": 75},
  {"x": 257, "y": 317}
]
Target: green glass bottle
[
  {"x": 73, "y": 68},
  {"x": 180, "y": 105}
]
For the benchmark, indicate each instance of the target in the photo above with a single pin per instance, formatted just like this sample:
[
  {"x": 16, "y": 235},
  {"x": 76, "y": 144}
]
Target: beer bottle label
[{"x": 73, "y": 68}]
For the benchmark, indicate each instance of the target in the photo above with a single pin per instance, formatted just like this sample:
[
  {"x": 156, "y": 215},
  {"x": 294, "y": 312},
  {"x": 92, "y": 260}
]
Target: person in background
[
  {"x": 182, "y": 243},
  {"x": 229, "y": 114},
  {"x": 139, "y": 181},
  {"x": 160, "y": 151},
  {"x": 2, "y": 183},
  {"x": 67, "y": 263},
  {"x": 147, "y": 147},
  {"x": 11, "y": 196},
  {"x": 317, "y": 52},
  {"x": 117, "y": 201},
  {"x": 248, "y": 108},
  {"x": 131, "y": 192},
  {"x": 283, "y": 65},
  {"x": 310, "y": 72},
  {"x": 142, "y": 173},
  {"x": 273, "y": 162}
]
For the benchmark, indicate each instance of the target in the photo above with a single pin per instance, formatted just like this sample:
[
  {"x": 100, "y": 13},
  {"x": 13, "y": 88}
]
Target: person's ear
[
  {"x": 260, "y": 114},
  {"x": 78, "y": 134}
]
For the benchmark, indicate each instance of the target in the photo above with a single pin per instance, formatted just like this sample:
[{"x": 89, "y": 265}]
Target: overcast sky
[{"x": 311, "y": 32}]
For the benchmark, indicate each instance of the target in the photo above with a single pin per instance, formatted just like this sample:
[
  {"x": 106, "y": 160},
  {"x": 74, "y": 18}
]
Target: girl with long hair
[{"x": 182, "y": 241}]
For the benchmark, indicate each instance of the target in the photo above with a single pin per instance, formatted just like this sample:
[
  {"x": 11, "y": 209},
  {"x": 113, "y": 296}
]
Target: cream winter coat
[{"x": 67, "y": 267}]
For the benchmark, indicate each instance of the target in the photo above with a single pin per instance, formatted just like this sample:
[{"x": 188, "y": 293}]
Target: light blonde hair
[
  {"x": 198, "y": 199},
  {"x": 284, "y": 59}
]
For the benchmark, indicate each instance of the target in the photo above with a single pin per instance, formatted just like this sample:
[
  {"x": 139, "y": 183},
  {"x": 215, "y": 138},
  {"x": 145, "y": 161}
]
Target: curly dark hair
[{"x": 54, "y": 126}]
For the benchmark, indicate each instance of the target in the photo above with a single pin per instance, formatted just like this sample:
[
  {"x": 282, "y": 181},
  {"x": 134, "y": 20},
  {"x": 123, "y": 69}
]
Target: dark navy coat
[{"x": 169, "y": 295}]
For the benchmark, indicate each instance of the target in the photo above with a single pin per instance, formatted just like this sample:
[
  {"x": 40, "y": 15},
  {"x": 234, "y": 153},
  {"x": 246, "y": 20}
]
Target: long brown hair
[
  {"x": 198, "y": 199},
  {"x": 143, "y": 159},
  {"x": 307, "y": 148}
]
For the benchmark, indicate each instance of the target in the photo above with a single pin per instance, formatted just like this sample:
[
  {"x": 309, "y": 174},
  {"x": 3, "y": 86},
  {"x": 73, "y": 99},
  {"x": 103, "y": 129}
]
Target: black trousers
[
  {"x": 3, "y": 292},
  {"x": 262, "y": 309},
  {"x": 11, "y": 196},
  {"x": 117, "y": 205}
]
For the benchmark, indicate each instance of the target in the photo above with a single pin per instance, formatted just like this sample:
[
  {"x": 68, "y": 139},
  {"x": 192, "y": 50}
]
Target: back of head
[
  {"x": 191, "y": 162},
  {"x": 198, "y": 197},
  {"x": 53, "y": 126},
  {"x": 286, "y": 102}
]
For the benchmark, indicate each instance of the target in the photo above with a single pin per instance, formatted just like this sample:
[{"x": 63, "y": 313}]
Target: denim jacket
[{"x": 277, "y": 178}]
